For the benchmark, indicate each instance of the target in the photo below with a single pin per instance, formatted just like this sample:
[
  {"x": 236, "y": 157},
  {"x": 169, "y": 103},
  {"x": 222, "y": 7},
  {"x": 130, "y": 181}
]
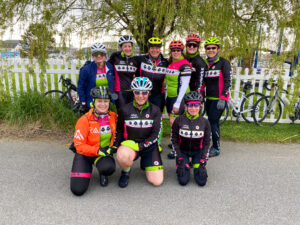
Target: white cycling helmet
[
  {"x": 125, "y": 39},
  {"x": 98, "y": 47},
  {"x": 141, "y": 83}
]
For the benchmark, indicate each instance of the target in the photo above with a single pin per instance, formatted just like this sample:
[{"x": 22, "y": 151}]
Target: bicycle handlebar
[{"x": 266, "y": 84}]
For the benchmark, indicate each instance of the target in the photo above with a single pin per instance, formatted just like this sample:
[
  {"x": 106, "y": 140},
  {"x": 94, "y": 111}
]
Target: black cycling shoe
[
  {"x": 103, "y": 180},
  {"x": 214, "y": 152},
  {"x": 170, "y": 146},
  {"x": 124, "y": 179},
  {"x": 172, "y": 154}
]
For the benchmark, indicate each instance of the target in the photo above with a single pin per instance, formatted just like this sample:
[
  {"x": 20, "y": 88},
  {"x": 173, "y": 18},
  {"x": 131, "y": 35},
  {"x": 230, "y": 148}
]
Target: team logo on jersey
[
  {"x": 213, "y": 67},
  {"x": 185, "y": 127},
  {"x": 78, "y": 135},
  {"x": 156, "y": 163},
  {"x": 131, "y": 63},
  {"x": 147, "y": 115},
  {"x": 134, "y": 116},
  {"x": 197, "y": 127}
]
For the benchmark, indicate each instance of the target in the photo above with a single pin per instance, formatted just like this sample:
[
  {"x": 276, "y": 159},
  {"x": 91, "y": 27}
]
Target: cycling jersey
[
  {"x": 101, "y": 79},
  {"x": 218, "y": 79},
  {"x": 191, "y": 134},
  {"x": 178, "y": 77},
  {"x": 87, "y": 80},
  {"x": 198, "y": 69},
  {"x": 125, "y": 70},
  {"x": 155, "y": 70},
  {"x": 90, "y": 129},
  {"x": 142, "y": 126}
]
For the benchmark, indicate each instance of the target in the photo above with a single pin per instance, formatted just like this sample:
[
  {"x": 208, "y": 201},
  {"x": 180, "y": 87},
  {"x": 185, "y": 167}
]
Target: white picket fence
[{"x": 15, "y": 78}]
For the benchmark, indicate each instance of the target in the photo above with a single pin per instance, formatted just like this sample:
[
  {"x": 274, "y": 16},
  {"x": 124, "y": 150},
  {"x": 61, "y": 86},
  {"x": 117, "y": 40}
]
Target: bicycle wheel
[
  {"x": 247, "y": 105},
  {"x": 224, "y": 115},
  {"x": 271, "y": 111},
  {"x": 60, "y": 95}
]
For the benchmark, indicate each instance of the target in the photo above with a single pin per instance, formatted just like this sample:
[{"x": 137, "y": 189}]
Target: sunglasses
[
  {"x": 176, "y": 50},
  {"x": 141, "y": 92},
  {"x": 211, "y": 48},
  {"x": 99, "y": 53},
  {"x": 192, "y": 45},
  {"x": 193, "y": 104}
]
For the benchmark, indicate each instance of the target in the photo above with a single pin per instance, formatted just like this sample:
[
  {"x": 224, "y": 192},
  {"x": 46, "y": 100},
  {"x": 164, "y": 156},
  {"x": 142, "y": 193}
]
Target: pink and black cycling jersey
[
  {"x": 218, "y": 79},
  {"x": 175, "y": 71},
  {"x": 191, "y": 134},
  {"x": 125, "y": 70},
  {"x": 155, "y": 70}
]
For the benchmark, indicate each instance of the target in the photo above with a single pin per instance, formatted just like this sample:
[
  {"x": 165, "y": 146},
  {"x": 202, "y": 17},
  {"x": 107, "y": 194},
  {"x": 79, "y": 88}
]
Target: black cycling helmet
[
  {"x": 103, "y": 92},
  {"x": 100, "y": 92},
  {"x": 193, "y": 96}
]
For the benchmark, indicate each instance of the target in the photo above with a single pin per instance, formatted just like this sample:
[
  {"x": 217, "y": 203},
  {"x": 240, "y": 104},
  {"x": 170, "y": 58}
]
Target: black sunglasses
[
  {"x": 99, "y": 53},
  {"x": 211, "y": 48},
  {"x": 192, "y": 45}
]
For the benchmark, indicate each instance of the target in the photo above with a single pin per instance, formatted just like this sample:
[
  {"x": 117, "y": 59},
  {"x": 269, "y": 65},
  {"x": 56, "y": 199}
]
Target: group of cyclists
[{"x": 140, "y": 87}]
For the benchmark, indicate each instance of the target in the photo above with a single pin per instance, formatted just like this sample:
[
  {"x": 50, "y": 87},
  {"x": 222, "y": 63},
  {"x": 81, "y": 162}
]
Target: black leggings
[
  {"x": 214, "y": 116},
  {"x": 82, "y": 171}
]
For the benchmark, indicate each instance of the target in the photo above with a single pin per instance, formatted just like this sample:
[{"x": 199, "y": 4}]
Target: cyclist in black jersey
[
  {"x": 191, "y": 139},
  {"x": 154, "y": 66},
  {"x": 138, "y": 130},
  {"x": 125, "y": 68},
  {"x": 198, "y": 64},
  {"x": 217, "y": 81}
]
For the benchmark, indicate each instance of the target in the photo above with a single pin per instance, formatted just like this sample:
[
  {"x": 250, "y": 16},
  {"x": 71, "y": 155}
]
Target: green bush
[{"x": 35, "y": 108}]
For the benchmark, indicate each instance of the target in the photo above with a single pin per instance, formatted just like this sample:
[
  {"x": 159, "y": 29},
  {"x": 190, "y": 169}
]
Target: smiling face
[
  {"x": 154, "y": 51},
  {"x": 193, "y": 109},
  {"x": 176, "y": 53},
  {"x": 192, "y": 48},
  {"x": 140, "y": 97},
  {"x": 99, "y": 57},
  {"x": 211, "y": 50},
  {"x": 101, "y": 105},
  {"x": 127, "y": 48}
]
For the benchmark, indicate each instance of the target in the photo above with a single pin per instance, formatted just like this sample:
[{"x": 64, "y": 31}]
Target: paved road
[{"x": 248, "y": 184}]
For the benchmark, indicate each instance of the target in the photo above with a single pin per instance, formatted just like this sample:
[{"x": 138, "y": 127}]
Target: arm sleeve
[
  {"x": 120, "y": 129},
  {"x": 184, "y": 81},
  {"x": 201, "y": 75},
  {"x": 175, "y": 136},
  {"x": 206, "y": 141},
  {"x": 227, "y": 78},
  {"x": 83, "y": 74},
  {"x": 80, "y": 138},
  {"x": 155, "y": 134}
]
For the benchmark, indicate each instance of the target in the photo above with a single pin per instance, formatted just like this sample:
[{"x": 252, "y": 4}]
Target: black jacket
[{"x": 191, "y": 134}]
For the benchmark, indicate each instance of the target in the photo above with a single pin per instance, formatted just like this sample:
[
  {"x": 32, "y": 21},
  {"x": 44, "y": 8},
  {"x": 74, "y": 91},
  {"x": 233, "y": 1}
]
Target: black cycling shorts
[
  {"x": 169, "y": 105},
  {"x": 150, "y": 161}
]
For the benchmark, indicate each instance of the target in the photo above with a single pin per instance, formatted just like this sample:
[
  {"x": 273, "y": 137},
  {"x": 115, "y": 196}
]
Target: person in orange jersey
[{"x": 93, "y": 140}]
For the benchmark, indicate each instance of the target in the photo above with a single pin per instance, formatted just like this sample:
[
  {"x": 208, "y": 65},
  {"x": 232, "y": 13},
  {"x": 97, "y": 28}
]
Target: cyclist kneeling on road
[
  {"x": 93, "y": 139},
  {"x": 138, "y": 130},
  {"x": 191, "y": 139}
]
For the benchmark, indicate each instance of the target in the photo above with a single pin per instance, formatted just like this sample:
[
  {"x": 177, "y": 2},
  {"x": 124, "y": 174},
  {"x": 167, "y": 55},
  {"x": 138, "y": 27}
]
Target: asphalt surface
[{"x": 247, "y": 184}]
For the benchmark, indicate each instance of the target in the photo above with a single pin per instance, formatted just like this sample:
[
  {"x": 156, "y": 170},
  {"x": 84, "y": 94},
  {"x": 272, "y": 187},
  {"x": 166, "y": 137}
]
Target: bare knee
[
  {"x": 155, "y": 178},
  {"x": 125, "y": 156}
]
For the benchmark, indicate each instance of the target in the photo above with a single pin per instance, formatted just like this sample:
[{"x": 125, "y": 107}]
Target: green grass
[
  {"x": 35, "y": 108},
  {"x": 250, "y": 132},
  {"x": 53, "y": 114}
]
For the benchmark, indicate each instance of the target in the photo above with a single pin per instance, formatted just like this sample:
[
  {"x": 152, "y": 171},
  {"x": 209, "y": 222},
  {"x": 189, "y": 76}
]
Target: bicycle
[
  {"x": 273, "y": 109},
  {"x": 69, "y": 95},
  {"x": 242, "y": 105}
]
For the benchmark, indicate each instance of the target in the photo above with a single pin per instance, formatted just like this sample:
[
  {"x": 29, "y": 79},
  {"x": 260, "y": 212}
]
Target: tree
[
  {"x": 236, "y": 22},
  {"x": 37, "y": 41}
]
